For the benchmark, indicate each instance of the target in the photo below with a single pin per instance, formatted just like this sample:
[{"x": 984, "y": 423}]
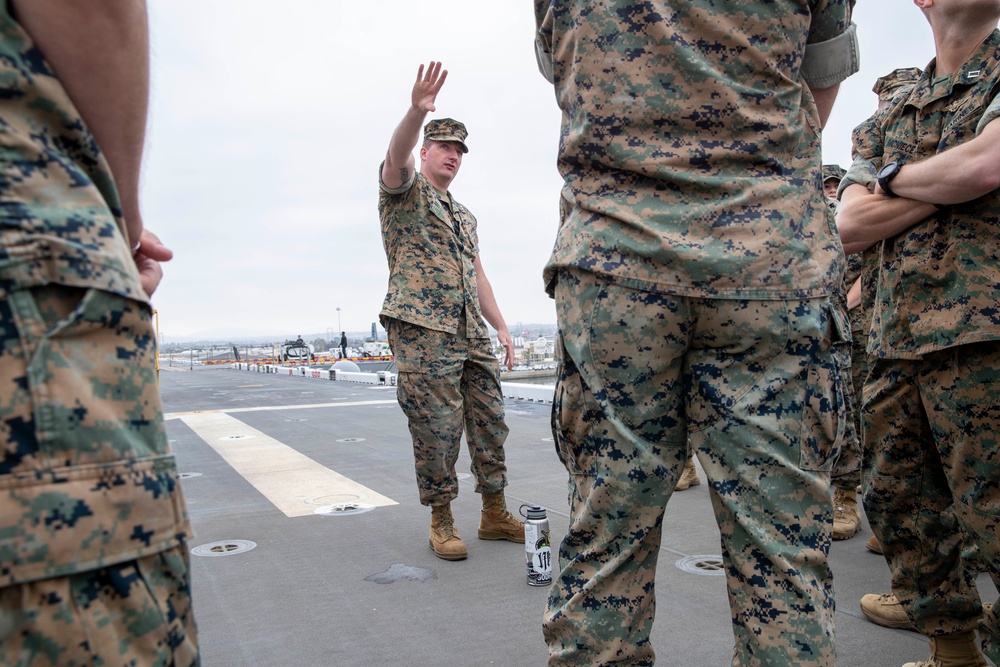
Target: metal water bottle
[{"x": 537, "y": 553}]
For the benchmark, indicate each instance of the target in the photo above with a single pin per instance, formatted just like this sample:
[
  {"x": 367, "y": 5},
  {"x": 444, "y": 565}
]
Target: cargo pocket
[
  {"x": 824, "y": 405},
  {"x": 572, "y": 420},
  {"x": 91, "y": 375}
]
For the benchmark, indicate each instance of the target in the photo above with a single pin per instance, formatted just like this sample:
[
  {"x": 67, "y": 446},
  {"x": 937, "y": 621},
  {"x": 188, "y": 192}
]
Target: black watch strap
[{"x": 885, "y": 176}]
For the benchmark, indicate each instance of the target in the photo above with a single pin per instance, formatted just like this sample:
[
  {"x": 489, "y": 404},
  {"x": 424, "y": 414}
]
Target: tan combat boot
[
  {"x": 444, "y": 539},
  {"x": 873, "y": 545},
  {"x": 846, "y": 516},
  {"x": 886, "y": 611},
  {"x": 689, "y": 477},
  {"x": 496, "y": 523},
  {"x": 958, "y": 650}
]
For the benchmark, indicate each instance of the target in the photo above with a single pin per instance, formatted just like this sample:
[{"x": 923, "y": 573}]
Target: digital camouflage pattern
[
  {"x": 930, "y": 401},
  {"x": 448, "y": 377},
  {"x": 447, "y": 383},
  {"x": 754, "y": 386},
  {"x": 86, "y": 474},
  {"x": 863, "y": 266},
  {"x": 935, "y": 422},
  {"x": 45, "y": 148},
  {"x": 847, "y": 468},
  {"x": 960, "y": 597},
  {"x": 717, "y": 191},
  {"x": 693, "y": 221},
  {"x": 937, "y": 285},
  {"x": 93, "y": 563},
  {"x": 446, "y": 129},
  {"x": 833, "y": 171},
  {"x": 886, "y": 87},
  {"x": 132, "y": 613},
  {"x": 87, "y": 484},
  {"x": 431, "y": 244}
]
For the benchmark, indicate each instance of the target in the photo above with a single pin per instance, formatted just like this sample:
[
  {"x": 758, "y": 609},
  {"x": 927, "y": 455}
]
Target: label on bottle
[{"x": 537, "y": 553}]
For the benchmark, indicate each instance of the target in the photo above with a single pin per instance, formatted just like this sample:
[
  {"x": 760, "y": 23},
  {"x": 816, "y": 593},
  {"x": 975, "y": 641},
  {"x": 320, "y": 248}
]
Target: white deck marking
[
  {"x": 263, "y": 408},
  {"x": 289, "y": 479}
]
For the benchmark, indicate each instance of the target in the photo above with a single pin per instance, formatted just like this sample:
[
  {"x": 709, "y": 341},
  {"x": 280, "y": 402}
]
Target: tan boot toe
[
  {"x": 497, "y": 523},
  {"x": 444, "y": 538},
  {"x": 886, "y": 611}
]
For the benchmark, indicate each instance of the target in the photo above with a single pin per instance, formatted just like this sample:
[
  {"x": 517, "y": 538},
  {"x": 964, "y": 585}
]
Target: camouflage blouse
[
  {"x": 431, "y": 244},
  {"x": 937, "y": 280},
  {"x": 691, "y": 157}
]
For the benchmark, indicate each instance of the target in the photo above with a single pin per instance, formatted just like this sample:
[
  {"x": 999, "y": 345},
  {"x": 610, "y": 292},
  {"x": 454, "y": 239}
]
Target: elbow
[{"x": 848, "y": 227}]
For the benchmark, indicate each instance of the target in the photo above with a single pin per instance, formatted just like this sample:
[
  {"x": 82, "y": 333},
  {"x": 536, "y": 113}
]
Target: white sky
[{"x": 268, "y": 122}]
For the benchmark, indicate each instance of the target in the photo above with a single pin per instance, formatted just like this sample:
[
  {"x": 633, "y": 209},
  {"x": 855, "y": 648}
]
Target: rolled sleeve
[
  {"x": 395, "y": 191},
  {"x": 543, "y": 41},
  {"x": 829, "y": 62},
  {"x": 861, "y": 172},
  {"x": 991, "y": 113}
]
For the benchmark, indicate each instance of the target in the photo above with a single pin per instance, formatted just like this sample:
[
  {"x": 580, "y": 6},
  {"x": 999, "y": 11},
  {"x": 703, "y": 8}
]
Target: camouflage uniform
[
  {"x": 448, "y": 377},
  {"x": 847, "y": 468},
  {"x": 93, "y": 563},
  {"x": 864, "y": 265},
  {"x": 695, "y": 272},
  {"x": 931, "y": 400}
]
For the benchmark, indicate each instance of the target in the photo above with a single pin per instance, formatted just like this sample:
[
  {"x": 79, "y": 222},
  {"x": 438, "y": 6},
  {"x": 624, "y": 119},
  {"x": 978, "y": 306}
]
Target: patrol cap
[
  {"x": 885, "y": 85},
  {"x": 446, "y": 129},
  {"x": 833, "y": 171}
]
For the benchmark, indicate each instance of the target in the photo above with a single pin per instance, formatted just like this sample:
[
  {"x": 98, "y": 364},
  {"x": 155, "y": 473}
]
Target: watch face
[
  {"x": 888, "y": 170},
  {"x": 885, "y": 176}
]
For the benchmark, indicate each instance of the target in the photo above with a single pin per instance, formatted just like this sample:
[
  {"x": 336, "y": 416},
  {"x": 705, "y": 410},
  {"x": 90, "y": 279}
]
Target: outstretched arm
[
  {"x": 398, "y": 165},
  {"x": 488, "y": 304}
]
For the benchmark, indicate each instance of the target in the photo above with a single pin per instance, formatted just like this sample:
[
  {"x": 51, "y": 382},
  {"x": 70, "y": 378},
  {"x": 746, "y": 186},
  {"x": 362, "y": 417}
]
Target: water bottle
[{"x": 537, "y": 553}]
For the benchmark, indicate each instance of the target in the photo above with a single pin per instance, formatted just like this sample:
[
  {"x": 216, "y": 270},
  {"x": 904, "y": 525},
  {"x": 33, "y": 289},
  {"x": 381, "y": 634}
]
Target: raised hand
[{"x": 426, "y": 88}]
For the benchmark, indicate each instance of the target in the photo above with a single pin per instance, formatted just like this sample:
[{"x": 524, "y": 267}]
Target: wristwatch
[{"x": 885, "y": 176}]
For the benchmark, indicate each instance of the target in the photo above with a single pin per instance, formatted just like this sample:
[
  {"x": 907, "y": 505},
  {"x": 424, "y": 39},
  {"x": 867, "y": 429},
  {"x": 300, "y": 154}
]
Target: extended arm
[
  {"x": 488, "y": 304},
  {"x": 399, "y": 163},
  {"x": 99, "y": 51}
]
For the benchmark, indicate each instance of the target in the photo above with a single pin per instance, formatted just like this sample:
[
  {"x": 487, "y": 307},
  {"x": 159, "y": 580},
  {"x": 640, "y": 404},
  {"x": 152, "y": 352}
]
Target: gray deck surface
[{"x": 364, "y": 589}]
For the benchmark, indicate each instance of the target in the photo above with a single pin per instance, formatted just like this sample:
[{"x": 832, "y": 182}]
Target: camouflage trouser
[
  {"x": 447, "y": 383},
  {"x": 860, "y": 366},
  {"x": 934, "y": 425},
  {"x": 847, "y": 468},
  {"x": 133, "y": 613},
  {"x": 93, "y": 567},
  {"x": 756, "y": 386}
]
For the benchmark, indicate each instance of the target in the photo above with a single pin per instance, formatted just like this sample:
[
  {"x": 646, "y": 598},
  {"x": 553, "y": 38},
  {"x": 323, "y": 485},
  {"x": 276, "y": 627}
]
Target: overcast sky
[{"x": 268, "y": 122}]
